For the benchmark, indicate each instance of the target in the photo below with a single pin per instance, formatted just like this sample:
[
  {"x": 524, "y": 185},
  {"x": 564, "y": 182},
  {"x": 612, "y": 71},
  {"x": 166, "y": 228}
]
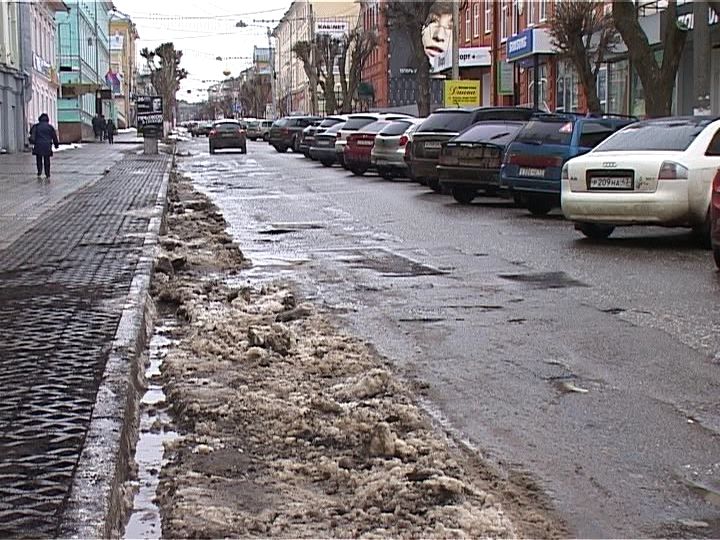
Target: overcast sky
[{"x": 204, "y": 30}]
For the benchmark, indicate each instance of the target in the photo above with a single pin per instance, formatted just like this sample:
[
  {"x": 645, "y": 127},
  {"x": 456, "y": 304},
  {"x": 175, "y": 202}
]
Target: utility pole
[
  {"x": 701, "y": 58},
  {"x": 456, "y": 40},
  {"x": 271, "y": 56},
  {"x": 311, "y": 41}
]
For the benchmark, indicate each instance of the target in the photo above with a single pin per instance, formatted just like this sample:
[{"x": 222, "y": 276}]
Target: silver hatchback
[{"x": 388, "y": 153}]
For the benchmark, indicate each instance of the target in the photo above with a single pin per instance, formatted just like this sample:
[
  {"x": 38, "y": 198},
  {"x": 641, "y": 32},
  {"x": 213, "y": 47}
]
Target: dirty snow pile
[{"x": 290, "y": 427}]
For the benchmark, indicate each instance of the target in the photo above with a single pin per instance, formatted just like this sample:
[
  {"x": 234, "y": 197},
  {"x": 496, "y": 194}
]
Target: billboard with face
[{"x": 437, "y": 36}]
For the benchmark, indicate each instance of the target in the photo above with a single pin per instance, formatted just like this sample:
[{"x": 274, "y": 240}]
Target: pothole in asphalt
[
  {"x": 387, "y": 263},
  {"x": 545, "y": 280},
  {"x": 274, "y": 232}
]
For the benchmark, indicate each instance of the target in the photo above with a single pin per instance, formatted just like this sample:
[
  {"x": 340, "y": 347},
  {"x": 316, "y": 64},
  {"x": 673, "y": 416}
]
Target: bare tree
[
  {"x": 583, "y": 35},
  {"x": 254, "y": 95},
  {"x": 165, "y": 74},
  {"x": 410, "y": 17},
  {"x": 658, "y": 79},
  {"x": 328, "y": 49},
  {"x": 356, "y": 48},
  {"x": 306, "y": 52}
]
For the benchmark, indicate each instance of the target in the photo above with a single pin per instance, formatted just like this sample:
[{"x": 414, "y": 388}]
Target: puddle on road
[
  {"x": 154, "y": 431},
  {"x": 545, "y": 280}
]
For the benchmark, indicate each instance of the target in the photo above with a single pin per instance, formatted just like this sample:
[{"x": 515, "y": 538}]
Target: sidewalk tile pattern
[{"x": 62, "y": 289}]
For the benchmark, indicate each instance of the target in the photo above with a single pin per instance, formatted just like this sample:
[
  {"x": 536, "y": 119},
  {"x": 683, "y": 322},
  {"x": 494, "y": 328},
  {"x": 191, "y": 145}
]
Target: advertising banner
[
  {"x": 149, "y": 113},
  {"x": 336, "y": 29},
  {"x": 437, "y": 36},
  {"x": 462, "y": 94}
]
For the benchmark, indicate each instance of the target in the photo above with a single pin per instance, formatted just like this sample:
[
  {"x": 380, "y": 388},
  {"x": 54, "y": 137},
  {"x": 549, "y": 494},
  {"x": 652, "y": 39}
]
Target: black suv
[
  {"x": 286, "y": 132},
  {"x": 444, "y": 124}
]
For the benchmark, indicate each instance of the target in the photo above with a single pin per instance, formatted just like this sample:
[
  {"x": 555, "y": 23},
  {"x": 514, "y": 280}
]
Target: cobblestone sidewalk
[{"x": 63, "y": 281}]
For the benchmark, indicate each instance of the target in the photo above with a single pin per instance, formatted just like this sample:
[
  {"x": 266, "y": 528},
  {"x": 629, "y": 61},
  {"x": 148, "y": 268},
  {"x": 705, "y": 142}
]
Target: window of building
[
  {"x": 618, "y": 81},
  {"x": 467, "y": 24},
  {"x": 514, "y": 17},
  {"x": 503, "y": 20},
  {"x": 566, "y": 88},
  {"x": 476, "y": 19},
  {"x": 602, "y": 88},
  {"x": 488, "y": 16},
  {"x": 542, "y": 10}
]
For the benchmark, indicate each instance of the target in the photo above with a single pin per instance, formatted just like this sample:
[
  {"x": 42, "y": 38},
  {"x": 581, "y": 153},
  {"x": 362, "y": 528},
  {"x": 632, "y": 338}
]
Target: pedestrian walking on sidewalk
[
  {"x": 103, "y": 126},
  {"x": 110, "y": 131},
  {"x": 43, "y": 137},
  {"x": 96, "y": 127}
]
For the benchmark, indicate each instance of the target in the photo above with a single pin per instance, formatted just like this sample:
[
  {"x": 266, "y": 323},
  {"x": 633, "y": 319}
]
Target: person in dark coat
[
  {"x": 110, "y": 130},
  {"x": 102, "y": 123},
  {"x": 43, "y": 137},
  {"x": 96, "y": 126}
]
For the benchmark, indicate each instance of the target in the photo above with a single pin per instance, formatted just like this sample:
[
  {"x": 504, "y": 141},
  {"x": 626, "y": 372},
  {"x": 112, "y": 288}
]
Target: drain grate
[{"x": 57, "y": 287}]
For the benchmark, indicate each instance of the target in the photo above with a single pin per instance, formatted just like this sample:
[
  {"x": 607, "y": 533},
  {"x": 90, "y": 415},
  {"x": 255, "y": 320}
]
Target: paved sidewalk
[
  {"x": 68, "y": 254},
  {"x": 24, "y": 198}
]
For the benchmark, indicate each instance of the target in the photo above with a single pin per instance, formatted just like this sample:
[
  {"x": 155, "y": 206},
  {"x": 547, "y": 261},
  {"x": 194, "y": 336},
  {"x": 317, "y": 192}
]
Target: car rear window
[
  {"x": 334, "y": 129},
  {"x": 485, "y": 132},
  {"x": 547, "y": 132},
  {"x": 267, "y": 124},
  {"x": 227, "y": 126},
  {"x": 397, "y": 127},
  {"x": 671, "y": 135},
  {"x": 504, "y": 114},
  {"x": 329, "y": 122},
  {"x": 448, "y": 121},
  {"x": 357, "y": 123},
  {"x": 375, "y": 127},
  {"x": 280, "y": 123}
]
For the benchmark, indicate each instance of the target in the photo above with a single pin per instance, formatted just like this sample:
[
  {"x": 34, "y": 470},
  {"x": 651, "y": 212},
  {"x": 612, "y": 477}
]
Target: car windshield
[
  {"x": 396, "y": 128},
  {"x": 357, "y": 123},
  {"x": 447, "y": 121},
  {"x": 280, "y": 123},
  {"x": 375, "y": 127},
  {"x": 547, "y": 132},
  {"x": 669, "y": 135},
  {"x": 498, "y": 133}
]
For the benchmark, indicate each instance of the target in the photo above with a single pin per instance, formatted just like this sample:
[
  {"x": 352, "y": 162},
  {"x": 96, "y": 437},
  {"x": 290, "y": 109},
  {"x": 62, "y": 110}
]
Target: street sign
[
  {"x": 461, "y": 93},
  {"x": 149, "y": 112}
]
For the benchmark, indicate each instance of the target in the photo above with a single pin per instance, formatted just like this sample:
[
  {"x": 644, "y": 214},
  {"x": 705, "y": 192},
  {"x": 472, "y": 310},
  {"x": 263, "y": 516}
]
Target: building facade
[
  {"x": 301, "y": 22},
  {"x": 40, "y": 60},
  {"x": 122, "y": 74},
  {"x": 84, "y": 60},
  {"x": 13, "y": 125}
]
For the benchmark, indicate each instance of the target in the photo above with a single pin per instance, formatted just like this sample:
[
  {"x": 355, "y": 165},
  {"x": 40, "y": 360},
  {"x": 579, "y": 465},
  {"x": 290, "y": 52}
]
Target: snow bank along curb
[
  {"x": 97, "y": 504},
  {"x": 290, "y": 428}
]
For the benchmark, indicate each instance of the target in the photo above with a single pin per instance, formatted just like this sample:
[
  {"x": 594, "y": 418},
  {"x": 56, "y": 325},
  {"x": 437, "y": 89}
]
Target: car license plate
[
  {"x": 532, "y": 172},
  {"x": 365, "y": 143},
  {"x": 323, "y": 143},
  {"x": 229, "y": 135},
  {"x": 433, "y": 145},
  {"x": 611, "y": 182}
]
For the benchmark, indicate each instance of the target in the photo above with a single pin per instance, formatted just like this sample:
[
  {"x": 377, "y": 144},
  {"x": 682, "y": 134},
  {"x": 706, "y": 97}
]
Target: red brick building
[{"x": 377, "y": 67}]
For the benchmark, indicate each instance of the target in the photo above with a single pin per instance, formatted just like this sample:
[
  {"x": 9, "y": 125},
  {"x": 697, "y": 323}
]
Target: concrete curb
[{"x": 97, "y": 504}]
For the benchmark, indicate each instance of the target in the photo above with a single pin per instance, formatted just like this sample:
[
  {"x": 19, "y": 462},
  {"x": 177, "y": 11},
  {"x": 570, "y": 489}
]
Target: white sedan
[{"x": 654, "y": 172}]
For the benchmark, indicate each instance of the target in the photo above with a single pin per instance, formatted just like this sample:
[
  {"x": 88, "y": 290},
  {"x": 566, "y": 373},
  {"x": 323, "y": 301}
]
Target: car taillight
[
  {"x": 669, "y": 170},
  {"x": 565, "y": 174},
  {"x": 284, "y": 131},
  {"x": 512, "y": 158},
  {"x": 213, "y": 132},
  {"x": 404, "y": 140},
  {"x": 337, "y": 135},
  {"x": 716, "y": 191}
]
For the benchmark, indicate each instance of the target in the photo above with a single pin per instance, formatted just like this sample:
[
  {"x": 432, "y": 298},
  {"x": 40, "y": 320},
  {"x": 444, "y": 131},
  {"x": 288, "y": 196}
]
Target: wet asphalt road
[{"x": 595, "y": 367}]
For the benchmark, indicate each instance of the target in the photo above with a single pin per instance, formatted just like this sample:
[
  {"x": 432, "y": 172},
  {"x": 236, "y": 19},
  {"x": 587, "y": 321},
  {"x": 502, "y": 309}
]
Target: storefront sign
[
  {"x": 520, "y": 45},
  {"x": 475, "y": 56},
  {"x": 505, "y": 79},
  {"x": 688, "y": 19},
  {"x": 335, "y": 29},
  {"x": 461, "y": 93},
  {"x": 149, "y": 112}
]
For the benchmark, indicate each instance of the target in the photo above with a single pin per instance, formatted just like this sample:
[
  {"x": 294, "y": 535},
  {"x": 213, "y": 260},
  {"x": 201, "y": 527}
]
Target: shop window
[
  {"x": 543, "y": 86},
  {"x": 566, "y": 87},
  {"x": 618, "y": 79},
  {"x": 476, "y": 19},
  {"x": 714, "y": 146},
  {"x": 593, "y": 133},
  {"x": 602, "y": 88}
]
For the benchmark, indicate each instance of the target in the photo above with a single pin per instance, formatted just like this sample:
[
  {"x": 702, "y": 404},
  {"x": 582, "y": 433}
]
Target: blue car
[{"x": 534, "y": 160}]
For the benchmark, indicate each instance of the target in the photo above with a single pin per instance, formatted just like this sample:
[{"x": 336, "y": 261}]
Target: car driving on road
[
  {"x": 470, "y": 162},
  {"x": 227, "y": 134},
  {"x": 533, "y": 161},
  {"x": 443, "y": 125},
  {"x": 654, "y": 172}
]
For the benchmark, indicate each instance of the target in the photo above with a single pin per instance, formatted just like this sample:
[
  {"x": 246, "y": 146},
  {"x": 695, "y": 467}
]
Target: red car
[
  {"x": 359, "y": 147},
  {"x": 715, "y": 218}
]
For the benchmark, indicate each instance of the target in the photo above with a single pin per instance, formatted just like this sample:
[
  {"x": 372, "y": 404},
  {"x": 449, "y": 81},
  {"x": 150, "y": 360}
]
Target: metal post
[
  {"x": 701, "y": 58},
  {"x": 290, "y": 63},
  {"x": 311, "y": 40},
  {"x": 536, "y": 80},
  {"x": 456, "y": 40},
  {"x": 272, "y": 70}
]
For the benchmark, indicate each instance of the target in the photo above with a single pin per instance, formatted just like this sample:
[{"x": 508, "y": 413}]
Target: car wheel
[
  {"x": 519, "y": 200},
  {"x": 358, "y": 170},
  {"x": 463, "y": 195},
  {"x": 294, "y": 144},
  {"x": 212, "y": 150},
  {"x": 702, "y": 233},
  {"x": 434, "y": 184},
  {"x": 244, "y": 149},
  {"x": 326, "y": 163},
  {"x": 539, "y": 206},
  {"x": 265, "y": 138},
  {"x": 716, "y": 256},
  {"x": 281, "y": 149},
  {"x": 595, "y": 231}
]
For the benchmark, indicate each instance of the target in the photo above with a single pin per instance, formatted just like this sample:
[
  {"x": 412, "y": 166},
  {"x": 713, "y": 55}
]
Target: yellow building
[{"x": 123, "y": 69}]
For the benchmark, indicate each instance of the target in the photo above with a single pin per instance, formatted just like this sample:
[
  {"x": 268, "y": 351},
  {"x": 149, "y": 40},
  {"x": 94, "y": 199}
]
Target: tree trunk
[
  {"x": 658, "y": 81},
  {"x": 588, "y": 80},
  {"x": 424, "y": 95}
]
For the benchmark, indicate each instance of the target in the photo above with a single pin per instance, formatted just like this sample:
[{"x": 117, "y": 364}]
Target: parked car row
[{"x": 603, "y": 171}]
